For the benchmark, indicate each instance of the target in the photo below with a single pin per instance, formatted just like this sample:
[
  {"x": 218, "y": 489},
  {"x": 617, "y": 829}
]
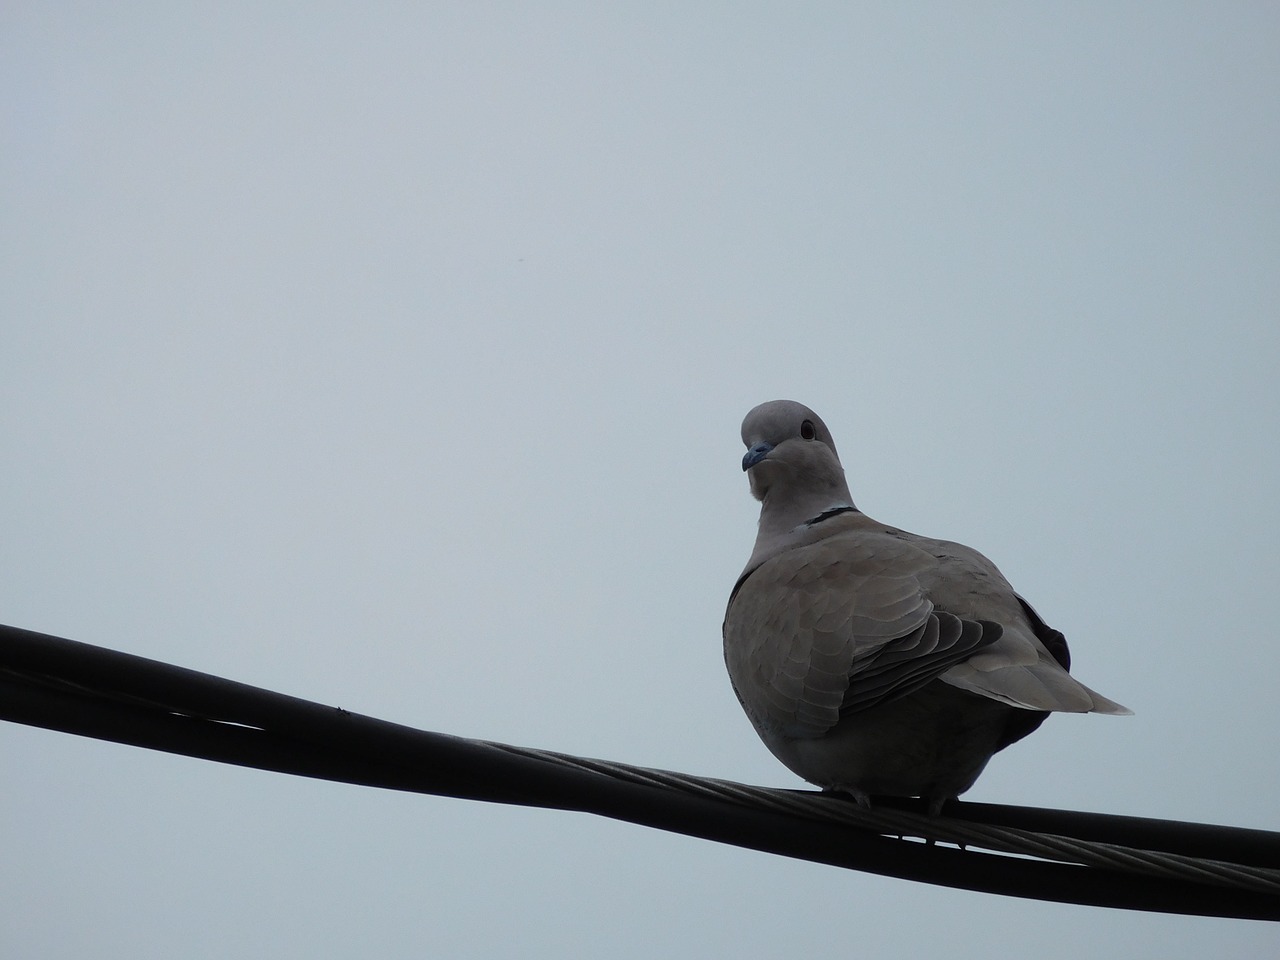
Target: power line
[{"x": 1095, "y": 859}]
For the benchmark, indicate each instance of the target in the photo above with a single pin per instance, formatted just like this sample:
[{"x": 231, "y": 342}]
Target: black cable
[{"x": 90, "y": 691}]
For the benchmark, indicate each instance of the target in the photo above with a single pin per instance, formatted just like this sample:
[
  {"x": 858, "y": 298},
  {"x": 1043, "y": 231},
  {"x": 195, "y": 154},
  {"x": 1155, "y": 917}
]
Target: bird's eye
[{"x": 807, "y": 430}]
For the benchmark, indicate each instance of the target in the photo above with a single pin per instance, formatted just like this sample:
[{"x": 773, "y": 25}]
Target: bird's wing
[
  {"x": 1027, "y": 666},
  {"x": 831, "y": 627}
]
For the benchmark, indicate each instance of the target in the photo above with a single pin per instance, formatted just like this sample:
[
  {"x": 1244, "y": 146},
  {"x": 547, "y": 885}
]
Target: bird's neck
[{"x": 789, "y": 519}]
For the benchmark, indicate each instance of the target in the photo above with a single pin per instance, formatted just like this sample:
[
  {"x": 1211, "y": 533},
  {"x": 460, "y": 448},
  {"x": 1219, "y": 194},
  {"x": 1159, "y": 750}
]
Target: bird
[{"x": 871, "y": 661}]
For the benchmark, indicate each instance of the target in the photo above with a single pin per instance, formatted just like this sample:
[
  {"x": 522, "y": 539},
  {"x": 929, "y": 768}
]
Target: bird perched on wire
[{"x": 873, "y": 661}]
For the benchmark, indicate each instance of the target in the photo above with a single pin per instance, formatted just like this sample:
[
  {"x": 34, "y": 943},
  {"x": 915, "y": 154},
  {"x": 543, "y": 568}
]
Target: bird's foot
[
  {"x": 935, "y": 802},
  {"x": 863, "y": 800}
]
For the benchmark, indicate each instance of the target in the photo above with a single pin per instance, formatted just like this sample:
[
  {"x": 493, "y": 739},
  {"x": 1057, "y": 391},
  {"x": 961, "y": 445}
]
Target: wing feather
[{"x": 832, "y": 628}]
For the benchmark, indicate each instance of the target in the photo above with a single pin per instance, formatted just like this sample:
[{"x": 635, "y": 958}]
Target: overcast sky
[{"x": 393, "y": 356}]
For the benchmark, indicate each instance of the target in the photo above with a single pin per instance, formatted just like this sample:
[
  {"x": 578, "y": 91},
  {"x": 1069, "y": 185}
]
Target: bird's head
[{"x": 791, "y": 462}]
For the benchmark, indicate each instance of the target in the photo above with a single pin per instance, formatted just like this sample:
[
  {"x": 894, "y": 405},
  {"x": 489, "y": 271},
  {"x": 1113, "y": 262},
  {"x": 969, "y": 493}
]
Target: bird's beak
[{"x": 756, "y": 454}]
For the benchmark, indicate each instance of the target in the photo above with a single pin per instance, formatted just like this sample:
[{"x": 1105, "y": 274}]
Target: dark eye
[{"x": 807, "y": 431}]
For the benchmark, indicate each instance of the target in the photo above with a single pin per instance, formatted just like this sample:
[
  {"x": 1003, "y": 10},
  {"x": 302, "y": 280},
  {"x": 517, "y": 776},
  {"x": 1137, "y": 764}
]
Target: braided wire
[
  {"x": 932, "y": 829},
  {"x": 1138, "y": 863}
]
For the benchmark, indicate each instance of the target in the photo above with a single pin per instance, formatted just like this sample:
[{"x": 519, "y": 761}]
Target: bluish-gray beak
[{"x": 756, "y": 454}]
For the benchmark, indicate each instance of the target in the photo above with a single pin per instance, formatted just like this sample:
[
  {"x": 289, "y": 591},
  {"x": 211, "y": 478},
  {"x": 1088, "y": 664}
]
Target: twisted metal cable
[
  {"x": 1064, "y": 856},
  {"x": 962, "y": 833}
]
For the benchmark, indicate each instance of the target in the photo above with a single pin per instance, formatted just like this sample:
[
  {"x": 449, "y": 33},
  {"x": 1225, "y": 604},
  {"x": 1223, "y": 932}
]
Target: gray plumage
[{"x": 871, "y": 660}]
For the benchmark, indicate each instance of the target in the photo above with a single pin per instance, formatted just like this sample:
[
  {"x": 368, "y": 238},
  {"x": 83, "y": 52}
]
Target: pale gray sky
[{"x": 393, "y": 356}]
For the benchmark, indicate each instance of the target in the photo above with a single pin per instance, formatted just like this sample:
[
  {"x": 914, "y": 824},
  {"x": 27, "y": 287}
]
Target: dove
[{"x": 872, "y": 661}]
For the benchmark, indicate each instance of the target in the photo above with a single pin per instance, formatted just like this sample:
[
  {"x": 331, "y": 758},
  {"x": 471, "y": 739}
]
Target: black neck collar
[{"x": 827, "y": 515}]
